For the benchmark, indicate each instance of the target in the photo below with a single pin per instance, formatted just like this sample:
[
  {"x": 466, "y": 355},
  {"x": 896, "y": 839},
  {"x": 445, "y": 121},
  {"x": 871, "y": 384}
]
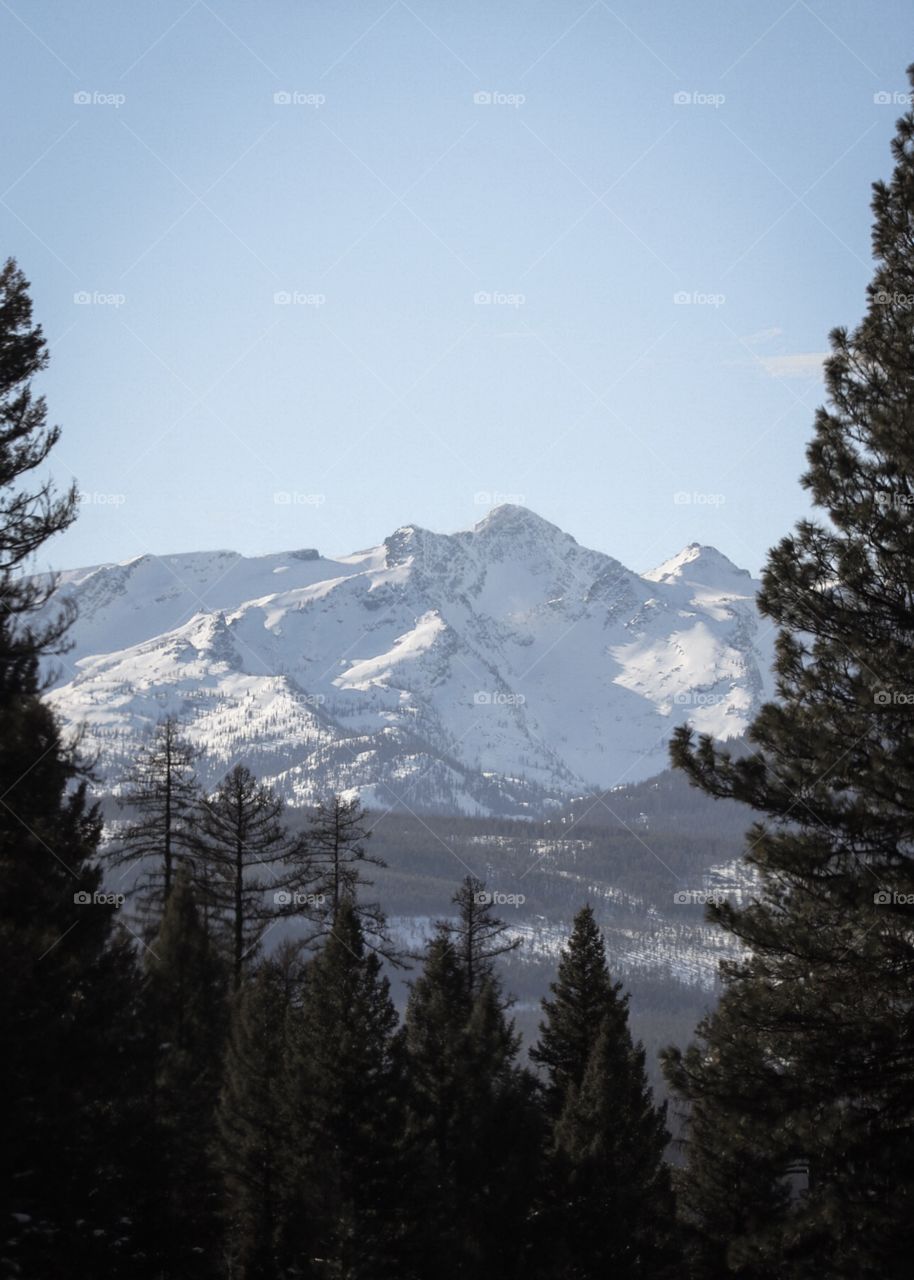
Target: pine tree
[
  {"x": 478, "y": 934},
  {"x": 71, "y": 1075},
  {"x": 187, "y": 1009},
  {"x": 606, "y": 1206},
  {"x": 497, "y": 1174},
  {"x": 437, "y": 1014},
  {"x": 162, "y": 789},
  {"x": 345, "y": 1181},
  {"x": 336, "y": 841},
  {"x": 253, "y": 1131},
  {"x": 29, "y": 515},
  {"x": 735, "y": 1183},
  {"x": 806, "y": 1072},
  {"x": 472, "y": 1114},
  {"x": 583, "y": 998},
  {"x": 250, "y": 870},
  {"x": 615, "y": 1206}
]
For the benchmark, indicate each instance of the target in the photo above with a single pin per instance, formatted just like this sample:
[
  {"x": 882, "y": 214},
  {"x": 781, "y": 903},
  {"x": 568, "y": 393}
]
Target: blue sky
[{"x": 483, "y": 216}]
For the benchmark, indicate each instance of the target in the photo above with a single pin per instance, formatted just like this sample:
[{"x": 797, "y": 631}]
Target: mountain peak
[
  {"x": 699, "y": 565},
  {"x": 510, "y": 518},
  {"x": 506, "y": 529}
]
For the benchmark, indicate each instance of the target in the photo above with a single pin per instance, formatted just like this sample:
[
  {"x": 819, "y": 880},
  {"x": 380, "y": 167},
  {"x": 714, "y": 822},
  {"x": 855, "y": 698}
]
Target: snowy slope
[{"x": 495, "y": 670}]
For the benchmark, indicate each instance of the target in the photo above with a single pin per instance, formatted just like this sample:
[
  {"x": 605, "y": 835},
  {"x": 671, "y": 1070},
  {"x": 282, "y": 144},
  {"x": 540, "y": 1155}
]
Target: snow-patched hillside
[{"x": 497, "y": 670}]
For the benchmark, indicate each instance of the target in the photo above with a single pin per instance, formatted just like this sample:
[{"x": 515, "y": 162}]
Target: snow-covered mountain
[{"x": 493, "y": 671}]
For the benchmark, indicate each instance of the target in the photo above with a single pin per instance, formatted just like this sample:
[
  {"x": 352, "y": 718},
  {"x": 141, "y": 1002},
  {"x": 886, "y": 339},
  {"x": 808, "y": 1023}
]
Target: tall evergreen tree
[
  {"x": 736, "y": 1183},
  {"x": 433, "y": 1037},
  {"x": 337, "y": 841},
  {"x": 805, "y": 1074},
  {"x": 606, "y": 1206},
  {"x": 345, "y": 1181},
  {"x": 187, "y": 1009},
  {"x": 30, "y": 512},
  {"x": 616, "y": 1214},
  {"x": 336, "y": 844},
  {"x": 478, "y": 934},
  {"x": 71, "y": 1073},
  {"x": 497, "y": 1168},
  {"x": 254, "y": 1136},
  {"x": 583, "y": 999},
  {"x": 472, "y": 1114},
  {"x": 248, "y": 866},
  {"x": 162, "y": 790}
]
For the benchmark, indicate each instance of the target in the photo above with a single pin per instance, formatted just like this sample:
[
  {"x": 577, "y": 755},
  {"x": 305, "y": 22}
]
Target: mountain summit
[
  {"x": 699, "y": 566},
  {"x": 498, "y": 670},
  {"x": 509, "y": 519}
]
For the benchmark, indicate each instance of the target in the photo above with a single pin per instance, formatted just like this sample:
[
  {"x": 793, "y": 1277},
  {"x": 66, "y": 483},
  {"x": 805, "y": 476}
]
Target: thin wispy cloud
[{"x": 800, "y": 364}]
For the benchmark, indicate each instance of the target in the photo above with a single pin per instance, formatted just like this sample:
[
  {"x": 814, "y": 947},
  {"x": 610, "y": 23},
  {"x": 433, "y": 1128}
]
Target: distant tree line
[
  {"x": 301, "y": 1130},
  {"x": 249, "y": 872},
  {"x": 285, "y": 1123}
]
